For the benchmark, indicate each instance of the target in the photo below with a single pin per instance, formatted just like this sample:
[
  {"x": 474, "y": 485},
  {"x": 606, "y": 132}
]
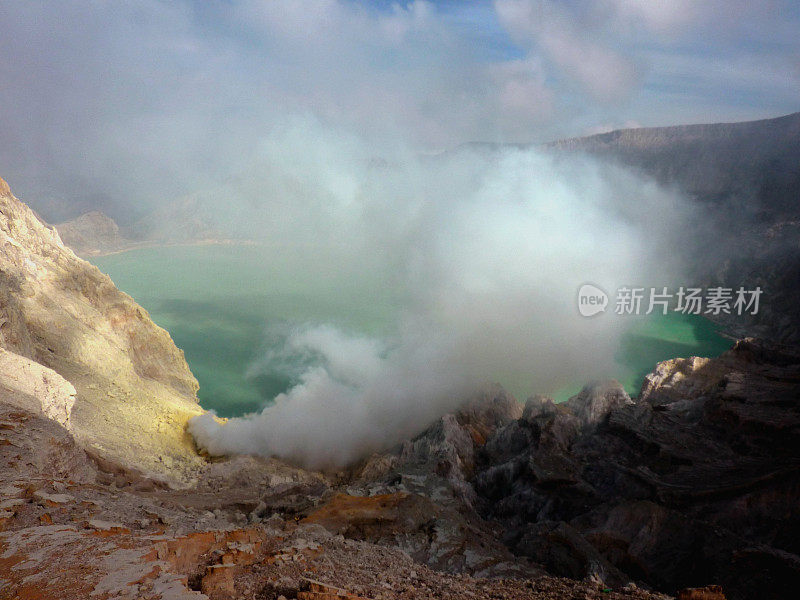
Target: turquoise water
[
  {"x": 657, "y": 338},
  {"x": 218, "y": 301}
]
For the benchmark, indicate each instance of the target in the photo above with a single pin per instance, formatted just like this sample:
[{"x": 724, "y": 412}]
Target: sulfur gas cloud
[{"x": 482, "y": 249}]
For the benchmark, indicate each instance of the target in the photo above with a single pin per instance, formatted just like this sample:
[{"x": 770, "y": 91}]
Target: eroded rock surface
[
  {"x": 133, "y": 389},
  {"x": 30, "y": 386},
  {"x": 72, "y": 529},
  {"x": 695, "y": 483}
]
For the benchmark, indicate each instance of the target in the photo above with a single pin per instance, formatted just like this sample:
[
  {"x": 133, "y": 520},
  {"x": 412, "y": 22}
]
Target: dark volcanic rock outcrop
[
  {"x": 694, "y": 483},
  {"x": 419, "y": 497}
]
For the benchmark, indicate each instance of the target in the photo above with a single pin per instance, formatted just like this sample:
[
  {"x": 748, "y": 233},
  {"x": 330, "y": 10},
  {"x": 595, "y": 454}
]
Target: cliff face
[{"x": 134, "y": 390}]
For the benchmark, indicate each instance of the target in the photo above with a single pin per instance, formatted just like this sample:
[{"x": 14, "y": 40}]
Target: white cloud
[
  {"x": 568, "y": 44},
  {"x": 605, "y": 46},
  {"x": 654, "y": 15},
  {"x": 122, "y": 105},
  {"x": 523, "y": 93},
  {"x": 605, "y": 74},
  {"x": 145, "y": 100}
]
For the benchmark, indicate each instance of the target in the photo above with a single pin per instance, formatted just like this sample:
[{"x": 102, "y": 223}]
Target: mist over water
[{"x": 482, "y": 254}]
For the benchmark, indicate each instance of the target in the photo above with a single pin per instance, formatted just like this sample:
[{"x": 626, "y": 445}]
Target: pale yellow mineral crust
[{"x": 133, "y": 391}]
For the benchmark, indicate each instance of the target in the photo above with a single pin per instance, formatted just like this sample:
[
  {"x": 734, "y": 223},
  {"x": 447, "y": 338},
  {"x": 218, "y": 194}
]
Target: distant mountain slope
[
  {"x": 753, "y": 165},
  {"x": 193, "y": 218},
  {"x": 92, "y": 233},
  {"x": 745, "y": 177}
]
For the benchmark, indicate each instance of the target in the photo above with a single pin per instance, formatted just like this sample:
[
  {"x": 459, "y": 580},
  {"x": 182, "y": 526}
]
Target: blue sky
[{"x": 98, "y": 96}]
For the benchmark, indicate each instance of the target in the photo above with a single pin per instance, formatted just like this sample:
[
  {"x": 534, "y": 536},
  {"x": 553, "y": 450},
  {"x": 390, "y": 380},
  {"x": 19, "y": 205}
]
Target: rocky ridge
[
  {"x": 750, "y": 166},
  {"x": 694, "y": 482},
  {"x": 72, "y": 528}
]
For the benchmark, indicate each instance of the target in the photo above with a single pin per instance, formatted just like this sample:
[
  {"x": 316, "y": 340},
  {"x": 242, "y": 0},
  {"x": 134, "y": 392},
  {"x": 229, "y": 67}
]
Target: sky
[{"x": 124, "y": 105}]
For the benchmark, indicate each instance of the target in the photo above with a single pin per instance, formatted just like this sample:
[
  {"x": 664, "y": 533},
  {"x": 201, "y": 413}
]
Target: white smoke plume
[{"x": 481, "y": 252}]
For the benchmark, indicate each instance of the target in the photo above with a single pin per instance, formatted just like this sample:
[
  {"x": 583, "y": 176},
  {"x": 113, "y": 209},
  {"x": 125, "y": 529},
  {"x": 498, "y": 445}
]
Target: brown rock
[
  {"x": 6, "y": 517},
  {"x": 709, "y": 592},
  {"x": 345, "y": 512},
  {"x": 316, "y": 590},
  {"x": 105, "y": 528},
  {"x": 218, "y": 582}
]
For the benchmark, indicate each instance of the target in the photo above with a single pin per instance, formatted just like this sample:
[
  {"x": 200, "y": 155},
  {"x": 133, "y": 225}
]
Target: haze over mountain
[
  {"x": 746, "y": 178},
  {"x": 741, "y": 178},
  {"x": 746, "y": 172},
  {"x": 92, "y": 233},
  {"x": 750, "y": 170}
]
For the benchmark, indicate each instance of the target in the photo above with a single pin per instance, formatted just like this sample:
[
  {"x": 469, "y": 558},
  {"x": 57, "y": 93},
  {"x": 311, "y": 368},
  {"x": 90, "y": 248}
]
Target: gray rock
[{"x": 596, "y": 401}]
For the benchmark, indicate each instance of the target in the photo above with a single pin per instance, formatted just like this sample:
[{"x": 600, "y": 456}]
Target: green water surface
[
  {"x": 656, "y": 338},
  {"x": 217, "y": 302}
]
